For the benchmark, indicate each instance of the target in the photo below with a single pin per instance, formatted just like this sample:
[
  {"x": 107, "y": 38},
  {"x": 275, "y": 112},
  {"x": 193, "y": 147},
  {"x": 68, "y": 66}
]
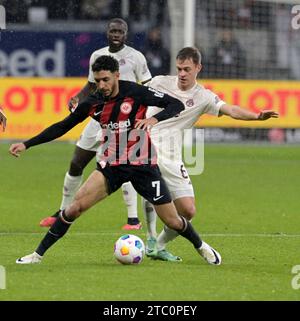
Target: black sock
[
  {"x": 133, "y": 221},
  {"x": 57, "y": 230},
  {"x": 56, "y": 214},
  {"x": 189, "y": 233}
]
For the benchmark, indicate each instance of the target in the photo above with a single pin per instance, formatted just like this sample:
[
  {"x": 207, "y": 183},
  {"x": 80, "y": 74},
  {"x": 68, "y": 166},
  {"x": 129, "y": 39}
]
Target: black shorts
[{"x": 146, "y": 180}]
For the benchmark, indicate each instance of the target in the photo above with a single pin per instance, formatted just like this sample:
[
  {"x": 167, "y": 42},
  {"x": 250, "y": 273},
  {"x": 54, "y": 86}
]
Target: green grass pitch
[{"x": 248, "y": 209}]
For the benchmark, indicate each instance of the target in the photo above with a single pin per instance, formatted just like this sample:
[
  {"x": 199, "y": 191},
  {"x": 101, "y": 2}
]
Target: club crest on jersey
[
  {"x": 190, "y": 103},
  {"x": 122, "y": 62},
  {"x": 126, "y": 108},
  {"x": 217, "y": 99}
]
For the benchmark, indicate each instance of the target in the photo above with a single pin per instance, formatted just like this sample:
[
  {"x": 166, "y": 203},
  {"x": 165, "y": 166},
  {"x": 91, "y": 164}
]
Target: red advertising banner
[
  {"x": 32, "y": 104},
  {"x": 281, "y": 96}
]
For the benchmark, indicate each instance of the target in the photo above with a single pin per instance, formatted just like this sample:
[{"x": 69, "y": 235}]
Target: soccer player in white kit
[
  {"x": 197, "y": 101},
  {"x": 133, "y": 67}
]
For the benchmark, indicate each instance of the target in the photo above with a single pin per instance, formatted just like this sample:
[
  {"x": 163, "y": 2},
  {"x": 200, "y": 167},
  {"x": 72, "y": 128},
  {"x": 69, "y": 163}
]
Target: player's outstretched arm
[
  {"x": 239, "y": 113},
  {"x": 52, "y": 132},
  {"x": 3, "y": 119}
]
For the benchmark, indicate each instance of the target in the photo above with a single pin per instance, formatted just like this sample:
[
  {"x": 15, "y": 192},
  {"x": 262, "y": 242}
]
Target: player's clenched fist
[
  {"x": 16, "y": 149},
  {"x": 73, "y": 103}
]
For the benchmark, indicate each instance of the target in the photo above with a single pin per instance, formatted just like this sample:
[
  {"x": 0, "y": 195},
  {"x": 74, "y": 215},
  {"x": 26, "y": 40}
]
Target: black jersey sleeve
[
  {"x": 60, "y": 128},
  {"x": 152, "y": 97}
]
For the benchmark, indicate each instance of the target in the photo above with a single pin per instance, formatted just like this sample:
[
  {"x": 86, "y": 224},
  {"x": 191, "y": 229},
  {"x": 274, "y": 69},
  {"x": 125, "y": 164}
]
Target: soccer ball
[{"x": 129, "y": 249}]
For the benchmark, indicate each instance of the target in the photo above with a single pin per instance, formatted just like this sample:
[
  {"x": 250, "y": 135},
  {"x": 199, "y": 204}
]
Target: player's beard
[{"x": 111, "y": 94}]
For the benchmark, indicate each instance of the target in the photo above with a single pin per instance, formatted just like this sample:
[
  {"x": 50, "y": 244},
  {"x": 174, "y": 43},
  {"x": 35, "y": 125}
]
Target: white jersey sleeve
[
  {"x": 142, "y": 71},
  {"x": 91, "y": 75},
  {"x": 213, "y": 104}
]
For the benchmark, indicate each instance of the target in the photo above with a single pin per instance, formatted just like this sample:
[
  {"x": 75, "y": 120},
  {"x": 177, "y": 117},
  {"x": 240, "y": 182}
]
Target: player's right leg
[
  {"x": 72, "y": 181},
  {"x": 84, "y": 152},
  {"x": 181, "y": 190},
  {"x": 150, "y": 218},
  {"x": 130, "y": 199},
  {"x": 185, "y": 206},
  {"x": 166, "y": 213},
  {"x": 92, "y": 191},
  {"x": 152, "y": 187}
]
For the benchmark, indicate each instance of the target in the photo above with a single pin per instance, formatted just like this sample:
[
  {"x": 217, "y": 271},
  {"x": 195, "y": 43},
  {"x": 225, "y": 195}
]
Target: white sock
[
  {"x": 165, "y": 236},
  {"x": 150, "y": 218},
  {"x": 71, "y": 186},
  {"x": 130, "y": 199}
]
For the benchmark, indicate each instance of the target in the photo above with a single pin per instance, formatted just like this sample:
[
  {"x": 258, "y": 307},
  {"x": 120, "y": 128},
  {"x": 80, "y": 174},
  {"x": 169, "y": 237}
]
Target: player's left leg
[
  {"x": 130, "y": 199},
  {"x": 92, "y": 191},
  {"x": 185, "y": 206},
  {"x": 181, "y": 190},
  {"x": 149, "y": 183},
  {"x": 167, "y": 215},
  {"x": 150, "y": 218}
]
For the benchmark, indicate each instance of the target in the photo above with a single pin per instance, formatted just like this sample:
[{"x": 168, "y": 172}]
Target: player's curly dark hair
[{"x": 105, "y": 63}]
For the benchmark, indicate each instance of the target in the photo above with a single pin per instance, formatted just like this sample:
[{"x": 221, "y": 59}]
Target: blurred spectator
[
  {"x": 96, "y": 9},
  {"x": 16, "y": 11},
  {"x": 63, "y": 9},
  {"x": 228, "y": 58},
  {"x": 158, "y": 57},
  {"x": 260, "y": 14},
  {"x": 153, "y": 12},
  {"x": 225, "y": 15},
  {"x": 244, "y": 14}
]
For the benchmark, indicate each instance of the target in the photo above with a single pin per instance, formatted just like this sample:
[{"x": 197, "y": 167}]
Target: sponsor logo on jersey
[
  {"x": 126, "y": 108},
  {"x": 217, "y": 99},
  {"x": 115, "y": 126},
  {"x": 190, "y": 103}
]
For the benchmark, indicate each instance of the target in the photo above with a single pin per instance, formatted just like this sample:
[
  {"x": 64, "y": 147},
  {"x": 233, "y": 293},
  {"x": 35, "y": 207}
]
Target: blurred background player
[
  {"x": 158, "y": 57},
  {"x": 133, "y": 67},
  {"x": 167, "y": 138}
]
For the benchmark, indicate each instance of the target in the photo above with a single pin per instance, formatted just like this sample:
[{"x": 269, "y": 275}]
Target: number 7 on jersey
[{"x": 156, "y": 185}]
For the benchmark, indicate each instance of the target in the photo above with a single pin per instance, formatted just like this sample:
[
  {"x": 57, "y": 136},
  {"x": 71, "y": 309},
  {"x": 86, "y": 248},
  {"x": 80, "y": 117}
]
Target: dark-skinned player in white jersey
[{"x": 133, "y": 67}]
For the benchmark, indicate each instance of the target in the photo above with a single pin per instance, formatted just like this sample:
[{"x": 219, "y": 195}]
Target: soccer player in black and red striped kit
[{"x": 127, "y": 154}]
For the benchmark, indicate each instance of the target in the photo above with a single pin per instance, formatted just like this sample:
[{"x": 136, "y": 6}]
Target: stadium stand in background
[
  {"x": 265, "y": 44},
  {"x": 239, "y": 39}
]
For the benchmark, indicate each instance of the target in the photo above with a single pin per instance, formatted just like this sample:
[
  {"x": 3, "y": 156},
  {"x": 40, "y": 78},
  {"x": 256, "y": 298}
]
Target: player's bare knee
[
  {"x": 174, "y": 223},
  {"x": 189, "y": 212},
  {"x": 74, "y": 210}
]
